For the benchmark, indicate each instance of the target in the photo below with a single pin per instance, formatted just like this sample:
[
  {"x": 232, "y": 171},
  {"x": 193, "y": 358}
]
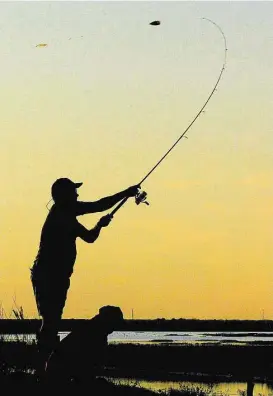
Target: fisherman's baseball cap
[{"x": 62, "y": 186}]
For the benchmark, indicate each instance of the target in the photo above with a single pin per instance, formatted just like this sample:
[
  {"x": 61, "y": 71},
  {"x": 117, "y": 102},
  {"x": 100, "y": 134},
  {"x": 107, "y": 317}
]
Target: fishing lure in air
[
  {"x": 41, "y": 45},
  {"x": 142, "y": 195}
]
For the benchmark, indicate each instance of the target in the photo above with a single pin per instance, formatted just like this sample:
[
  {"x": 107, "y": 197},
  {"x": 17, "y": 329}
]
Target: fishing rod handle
[
  {"x": 121, "y": 203},
  {"x": 119, "y": 206}
]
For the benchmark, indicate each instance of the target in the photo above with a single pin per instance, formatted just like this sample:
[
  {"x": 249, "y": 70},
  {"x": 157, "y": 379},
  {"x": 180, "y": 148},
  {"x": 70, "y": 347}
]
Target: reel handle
[{"x": 139, "y": 198}]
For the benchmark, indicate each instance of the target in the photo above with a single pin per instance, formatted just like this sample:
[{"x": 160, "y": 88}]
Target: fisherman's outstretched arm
[
  {"x": 105, "y": 203},
  {"x": 90, "y": 236}
]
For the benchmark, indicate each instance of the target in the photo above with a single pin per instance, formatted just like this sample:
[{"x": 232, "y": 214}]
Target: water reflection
[{"x": 211, "y": 389}]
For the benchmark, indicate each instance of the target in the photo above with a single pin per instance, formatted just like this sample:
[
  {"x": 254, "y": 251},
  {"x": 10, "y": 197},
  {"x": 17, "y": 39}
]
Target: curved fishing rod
[{"x": 141, "y": 197}]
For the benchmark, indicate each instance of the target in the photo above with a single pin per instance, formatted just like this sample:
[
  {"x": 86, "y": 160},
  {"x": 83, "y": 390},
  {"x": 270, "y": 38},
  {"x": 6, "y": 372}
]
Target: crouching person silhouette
[
  {"x": 53, "y": 266},
  {"x": 81, "y": 356}
]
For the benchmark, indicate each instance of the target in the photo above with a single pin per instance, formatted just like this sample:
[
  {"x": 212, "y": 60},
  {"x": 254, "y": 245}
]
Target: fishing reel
[{"x": 141, "y": 198}]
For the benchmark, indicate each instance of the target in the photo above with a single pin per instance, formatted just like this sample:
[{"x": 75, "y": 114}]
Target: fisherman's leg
[
  {"x": 47, "y": 341},
  {"x": 40, "y": 288},
  {"x": 48, "y": 335}
]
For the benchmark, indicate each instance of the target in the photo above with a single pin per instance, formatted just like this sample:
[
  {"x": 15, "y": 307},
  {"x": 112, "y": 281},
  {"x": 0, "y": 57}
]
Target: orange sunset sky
[{"x": 101, "y": 103}]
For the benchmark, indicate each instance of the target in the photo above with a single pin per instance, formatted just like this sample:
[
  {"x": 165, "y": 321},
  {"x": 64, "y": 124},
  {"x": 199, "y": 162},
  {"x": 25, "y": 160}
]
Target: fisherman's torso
[{"x": 57, "y": 250}]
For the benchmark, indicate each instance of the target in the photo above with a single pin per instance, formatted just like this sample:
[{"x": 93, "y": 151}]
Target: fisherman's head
[{"x": 64, "y": 191}]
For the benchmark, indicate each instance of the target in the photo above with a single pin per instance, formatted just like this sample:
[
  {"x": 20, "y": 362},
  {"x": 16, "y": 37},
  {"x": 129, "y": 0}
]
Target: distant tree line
[
  {"x": 14, "y": 326},
  {"x": 199, "y": 325}
]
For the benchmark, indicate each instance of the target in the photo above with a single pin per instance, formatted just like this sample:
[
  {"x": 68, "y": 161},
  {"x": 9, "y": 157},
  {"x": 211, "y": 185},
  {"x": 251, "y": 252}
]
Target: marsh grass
[
  {"x": 17, "y": 313},
  {"x": 17, "y": 352}
]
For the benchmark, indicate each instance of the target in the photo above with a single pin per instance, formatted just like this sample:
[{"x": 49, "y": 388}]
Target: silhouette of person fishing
[{"x": 53, "y": 265}]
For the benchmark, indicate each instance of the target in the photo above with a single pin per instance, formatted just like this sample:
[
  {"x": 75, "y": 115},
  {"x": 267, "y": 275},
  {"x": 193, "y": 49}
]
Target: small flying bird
[
  {"x": 41, "y": 45},
  {"x": 155, "y": 23}
]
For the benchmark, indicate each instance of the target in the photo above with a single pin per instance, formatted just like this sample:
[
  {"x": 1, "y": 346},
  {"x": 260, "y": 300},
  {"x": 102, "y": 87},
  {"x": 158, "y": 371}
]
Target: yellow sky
[{"x": 101, "y": 104}]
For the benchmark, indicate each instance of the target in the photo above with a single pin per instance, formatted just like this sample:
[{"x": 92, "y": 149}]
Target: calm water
[
  {"x": 189, "y": 337},
  {"x": 180, "y": 337}
]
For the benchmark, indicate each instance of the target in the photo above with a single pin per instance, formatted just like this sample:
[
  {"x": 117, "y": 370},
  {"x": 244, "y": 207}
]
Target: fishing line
[{"x": 141, "y": 196}]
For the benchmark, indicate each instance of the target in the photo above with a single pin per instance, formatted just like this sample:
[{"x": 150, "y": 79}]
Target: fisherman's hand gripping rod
[{"x": 141, "y": 195}]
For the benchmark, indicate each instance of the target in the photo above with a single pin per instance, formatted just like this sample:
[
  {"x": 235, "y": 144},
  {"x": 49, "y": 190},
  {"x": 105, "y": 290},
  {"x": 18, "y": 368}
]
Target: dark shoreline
[
  {"x": 210, "y": 359},
  {"x": 241, "y": 361},
  {"x": 194, "y": 363}
]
